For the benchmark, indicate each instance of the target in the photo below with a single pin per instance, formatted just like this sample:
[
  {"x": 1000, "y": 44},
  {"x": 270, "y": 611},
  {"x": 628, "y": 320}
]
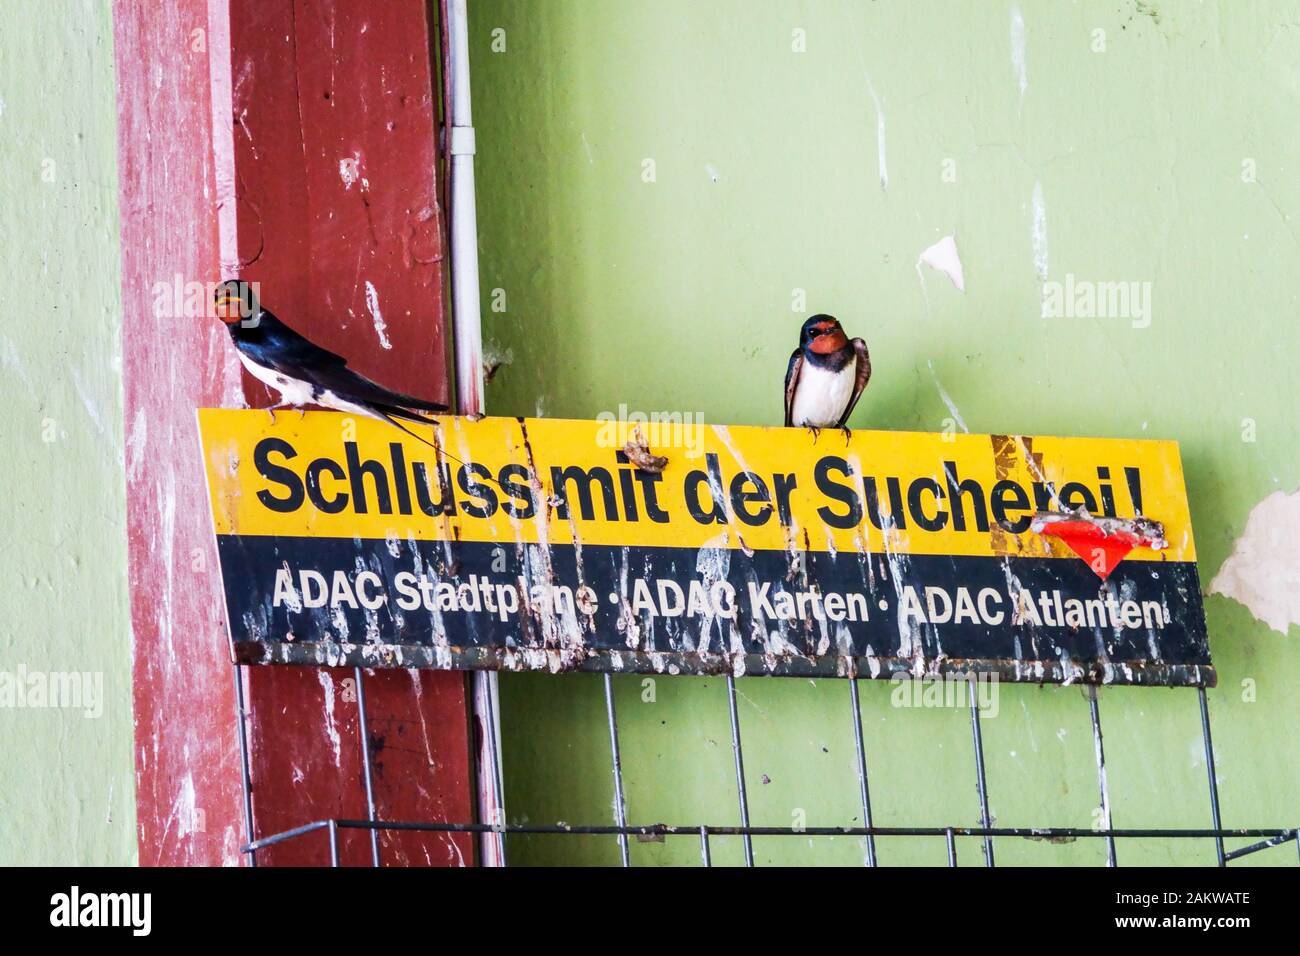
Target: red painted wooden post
[
  {"x": 293, "y": 144},
  {"x": 187, "y": 769}
]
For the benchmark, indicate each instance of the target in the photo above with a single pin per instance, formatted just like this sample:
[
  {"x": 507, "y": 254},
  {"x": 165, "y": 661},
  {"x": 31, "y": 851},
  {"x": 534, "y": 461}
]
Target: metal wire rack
[{"x": 1266, "y": 837}]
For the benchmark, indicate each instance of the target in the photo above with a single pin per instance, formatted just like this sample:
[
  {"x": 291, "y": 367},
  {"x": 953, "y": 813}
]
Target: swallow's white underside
[
  {"x": 297, "y": 393},
  {"x": 820, "y": 396}
]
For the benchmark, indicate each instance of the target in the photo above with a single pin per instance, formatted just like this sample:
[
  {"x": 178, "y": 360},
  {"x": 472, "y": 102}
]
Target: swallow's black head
[
  {"x": 818, "y": 326},
  {"x": 235, "y": 302}
]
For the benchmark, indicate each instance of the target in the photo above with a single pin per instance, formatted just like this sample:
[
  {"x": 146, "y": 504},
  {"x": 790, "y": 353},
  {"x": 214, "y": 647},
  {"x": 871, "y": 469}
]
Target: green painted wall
[
  {"x": 1169, "y": 156},
  {"x": 1163, "y": 150},
  {"x": 68, "y": 794}
]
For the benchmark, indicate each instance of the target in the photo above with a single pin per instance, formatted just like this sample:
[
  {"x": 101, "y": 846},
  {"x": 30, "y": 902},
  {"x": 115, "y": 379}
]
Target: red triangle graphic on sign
[
  {"x": 1102, "y": 543},
  {"x": 1101, "y": 552}
]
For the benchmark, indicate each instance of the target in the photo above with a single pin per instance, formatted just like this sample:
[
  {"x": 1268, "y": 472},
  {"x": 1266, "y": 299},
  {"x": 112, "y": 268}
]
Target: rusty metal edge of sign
[{"x": 672, "y": 663}]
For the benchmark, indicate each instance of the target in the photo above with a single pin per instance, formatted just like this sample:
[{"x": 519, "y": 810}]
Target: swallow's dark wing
[
  {"x": 864, "y": 376},
  {"x": 273, "y": 344},
  {"x": 352, "y": 387},
  {"x": 791, "y": 382}
]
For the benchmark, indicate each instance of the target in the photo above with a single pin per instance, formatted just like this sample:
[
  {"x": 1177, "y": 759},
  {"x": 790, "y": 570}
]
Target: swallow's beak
[{"x": 229, "y": 308}]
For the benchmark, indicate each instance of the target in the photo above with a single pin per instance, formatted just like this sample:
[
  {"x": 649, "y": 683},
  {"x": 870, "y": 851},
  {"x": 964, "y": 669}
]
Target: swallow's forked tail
[{"x": 396, "y": 424}]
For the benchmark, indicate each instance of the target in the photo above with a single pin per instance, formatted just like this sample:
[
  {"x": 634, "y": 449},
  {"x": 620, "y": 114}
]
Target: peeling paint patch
[
  {"x": 331, "y": 725},
  {"x": 135, "y": 444},
  {"x": 880, "y": 113},
  {"x": 183, "y": 808},
  {"x": 230, "y": 855},
  {"x": 1263, "y": 572},
  {"x": 350, "y": 171},
  {"x": 881, "y": 164},
  {"x": 92, "y": 411},
  {"x": 452, "y": 848},
  {"x": 494, "y": 360},
  {"x": 376, "y": 316},
  {"x": 10, "y": 359},
  {"x": 1040, "y": 232},
  {"x": 943, "y": 257},
  {"x": 947, "y": 400},
  {"x": 1018, "y": 50}
]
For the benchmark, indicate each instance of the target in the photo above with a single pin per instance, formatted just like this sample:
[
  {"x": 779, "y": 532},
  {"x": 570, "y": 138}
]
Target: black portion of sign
[{"x": 482, "y": 605}]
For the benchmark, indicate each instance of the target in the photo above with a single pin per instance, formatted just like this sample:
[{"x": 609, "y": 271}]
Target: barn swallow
[
  {"x": 303, "y": 372},
  {"x": 826, "y": 375}
]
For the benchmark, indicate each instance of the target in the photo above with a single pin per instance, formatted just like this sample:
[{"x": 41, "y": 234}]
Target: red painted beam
[{"x": 293, "y": 144}]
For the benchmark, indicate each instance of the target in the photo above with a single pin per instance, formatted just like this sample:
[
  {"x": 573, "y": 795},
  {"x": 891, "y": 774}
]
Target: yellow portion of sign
[{"x": 326, "y": 474}]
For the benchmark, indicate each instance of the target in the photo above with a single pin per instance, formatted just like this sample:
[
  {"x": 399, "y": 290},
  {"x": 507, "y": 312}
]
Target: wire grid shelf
[{"x": 1265, "y": 837}]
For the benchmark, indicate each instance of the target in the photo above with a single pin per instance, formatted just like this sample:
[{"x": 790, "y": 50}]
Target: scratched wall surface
[
  {"x": 68, "y": 791},
  {"x": 659, "y": 183}
]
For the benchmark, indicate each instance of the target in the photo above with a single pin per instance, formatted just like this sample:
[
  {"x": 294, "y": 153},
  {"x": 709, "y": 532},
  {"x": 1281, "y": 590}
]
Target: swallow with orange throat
[
  {"x": 304, "y": 373},
  {"x": 826, "y": 376}
]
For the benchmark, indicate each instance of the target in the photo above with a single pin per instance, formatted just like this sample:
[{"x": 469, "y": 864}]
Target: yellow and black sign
[{"x": 538, "y": 544}]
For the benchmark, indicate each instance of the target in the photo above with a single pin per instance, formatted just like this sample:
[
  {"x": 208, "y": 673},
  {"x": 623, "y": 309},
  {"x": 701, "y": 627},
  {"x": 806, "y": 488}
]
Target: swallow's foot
[
  {"x": 816, "y": 432},
  {"x": 272, "y": 409},
  {"x": 848, "y": 433}
]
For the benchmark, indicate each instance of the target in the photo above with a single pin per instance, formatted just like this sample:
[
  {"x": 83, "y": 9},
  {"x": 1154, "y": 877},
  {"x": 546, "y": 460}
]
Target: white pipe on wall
[
  {"x": 464, "y": 220},
  {"x": 468, "y": 337}
]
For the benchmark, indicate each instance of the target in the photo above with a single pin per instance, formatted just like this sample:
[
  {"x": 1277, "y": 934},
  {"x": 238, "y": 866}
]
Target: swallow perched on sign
[
  {"x": 826, "y": 375},
  {"x": 303, "y": 372}
]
